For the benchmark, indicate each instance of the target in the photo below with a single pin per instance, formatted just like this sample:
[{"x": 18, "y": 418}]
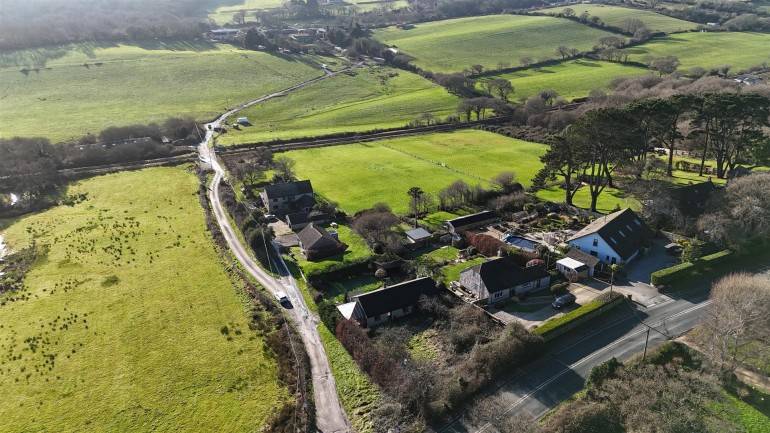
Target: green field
[
  {"x": 224, "y": 14},
  {"x": 614, "y": 16},
  {"x": 572, "y": 79},
  {"x": 122, "y": 325},
  {"x": 454, "y": 45},
  {"x": 372, "y": 98},
  {"x": 710, "y": 49},
  {"x": 360, "y": 175},
  {"x": 132, "y": 85}
]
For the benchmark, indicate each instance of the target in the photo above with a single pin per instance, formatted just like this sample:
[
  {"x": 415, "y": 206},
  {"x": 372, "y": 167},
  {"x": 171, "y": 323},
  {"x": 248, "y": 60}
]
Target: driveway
[{"x": 583, "y": 293}]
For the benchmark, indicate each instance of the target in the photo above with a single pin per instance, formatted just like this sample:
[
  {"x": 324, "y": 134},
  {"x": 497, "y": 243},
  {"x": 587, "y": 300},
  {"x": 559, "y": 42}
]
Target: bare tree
[
  {"x": 494, "y": 414},
  {"x": 284, "y": 167},
  {"x": 737, "y": 327},
  {"x": 526, "y": 61}
]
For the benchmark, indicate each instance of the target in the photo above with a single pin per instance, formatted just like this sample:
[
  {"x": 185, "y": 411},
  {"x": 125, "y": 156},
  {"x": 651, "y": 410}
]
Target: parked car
[
  {"x": 564, "y": 301},
  {"x": 281, "y": 297}
]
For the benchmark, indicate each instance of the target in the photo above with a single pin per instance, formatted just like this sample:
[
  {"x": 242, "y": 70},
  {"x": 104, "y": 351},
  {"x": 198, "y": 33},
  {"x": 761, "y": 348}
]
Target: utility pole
[
  {"x": 612, "y": 278},
  {"x": 644, "y": 356}
]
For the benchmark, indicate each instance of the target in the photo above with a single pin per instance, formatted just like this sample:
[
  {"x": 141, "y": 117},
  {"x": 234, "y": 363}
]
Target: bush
[
  {"x": 558, "y": 289},
  {"x": 381, "y": 273}
]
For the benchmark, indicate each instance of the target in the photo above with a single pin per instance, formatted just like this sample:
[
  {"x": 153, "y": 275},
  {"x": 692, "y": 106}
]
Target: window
[
  {"x": 639, "y": 223},
  {"x": 596, "y": 242},
  {"x": 621, "y": 233},
  {"x": 275, "y": 200},
  {"x": 613, "y": 240},
  {"x": 608, "y": 257},
  {"x": 497, "y": 295},
  {"x": 595, "y": 253}
]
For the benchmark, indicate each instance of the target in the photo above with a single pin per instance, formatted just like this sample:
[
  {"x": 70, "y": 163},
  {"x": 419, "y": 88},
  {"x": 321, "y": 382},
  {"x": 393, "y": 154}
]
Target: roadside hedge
[{"x": 668, "y": 275}]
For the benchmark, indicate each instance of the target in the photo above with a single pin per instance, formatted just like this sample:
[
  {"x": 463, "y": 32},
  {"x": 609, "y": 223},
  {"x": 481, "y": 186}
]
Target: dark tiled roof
[
  {"x": 306, "y": 201},
  {"x": 502, "y": 273},
  {"x": 475, "y": 218},
  {"x": 583, "y": 257},
  {"x": 298, "y": 218},
  {"x": 623, "y": 231},
  {"x": 395, "y": 297},
  {"x": 314, "y": 237},
  {"x": 288, "y": 189}
]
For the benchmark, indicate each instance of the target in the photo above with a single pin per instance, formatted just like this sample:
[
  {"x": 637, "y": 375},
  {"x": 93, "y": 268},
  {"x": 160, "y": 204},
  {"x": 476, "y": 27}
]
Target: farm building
[
  {"x": 499, "y": 279},
  {"x": 223, "y": 34},
  {"x": 388, "y": 303},
  {"x": 471, "y": 221},
  {"x": 614, "y": 238},
  {"x": 299, "y": 220},
  {"x": 284, "y": 197},
  {"x": 418, "y": 236}
]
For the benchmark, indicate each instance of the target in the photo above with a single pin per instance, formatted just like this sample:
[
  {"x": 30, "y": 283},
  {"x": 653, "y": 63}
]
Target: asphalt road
[{"x": 561, "y": 372}]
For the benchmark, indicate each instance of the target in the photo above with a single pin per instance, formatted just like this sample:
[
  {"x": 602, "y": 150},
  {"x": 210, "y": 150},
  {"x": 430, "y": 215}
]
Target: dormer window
[{"x": 596, "y": 242}]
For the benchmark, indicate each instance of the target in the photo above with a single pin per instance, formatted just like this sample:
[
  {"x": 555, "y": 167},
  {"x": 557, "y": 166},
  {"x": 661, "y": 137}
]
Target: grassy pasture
[
  {"x": 129, "y": 323},
  {"x": 710, "y": 49},
  {"x": 615, "y": 15},
  {"x": 360, "y": 175},
  {"x": 132, "y": 85},
  {"x": 572, "y": 79},
  {"x": 454, "y": 45},
  {"x": 372, "y": 98}
]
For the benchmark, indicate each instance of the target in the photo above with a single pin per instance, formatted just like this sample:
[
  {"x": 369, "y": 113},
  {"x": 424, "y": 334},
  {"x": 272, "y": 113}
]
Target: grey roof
[
  {"x": 623, "y": 231},
  {"x": 313, "y": 237},
  {"x": 583, "y": 257},
  {"x": 418, "y": 234},
  {"x": 500, "y": 274},
  {"x": 475, "y": 218},
  {"x": 306, "y": 201},
  {"x": 289, "y": 189},
  {"x": 306, "y": 217},
  {"x": 397, "y": 296}
]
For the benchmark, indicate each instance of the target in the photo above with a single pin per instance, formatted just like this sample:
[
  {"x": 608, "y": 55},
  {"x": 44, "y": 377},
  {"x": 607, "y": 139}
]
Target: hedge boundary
[
  {"x": 559, "y": 325},
  {"x": 669, "y": 275}
]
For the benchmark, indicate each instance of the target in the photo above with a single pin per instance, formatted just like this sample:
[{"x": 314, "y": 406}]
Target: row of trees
[{"x": 728, "y": 127}]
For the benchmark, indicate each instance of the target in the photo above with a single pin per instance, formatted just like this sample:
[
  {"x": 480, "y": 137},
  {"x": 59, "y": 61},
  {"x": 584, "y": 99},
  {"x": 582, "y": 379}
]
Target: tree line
[
  {"x": 728, "y": 127},
  {"x": 36, "y": 23}
]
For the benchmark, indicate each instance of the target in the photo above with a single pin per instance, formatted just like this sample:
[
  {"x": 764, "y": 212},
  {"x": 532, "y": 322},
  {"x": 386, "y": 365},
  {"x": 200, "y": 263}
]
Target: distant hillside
[{"x": 35, "y": 23}]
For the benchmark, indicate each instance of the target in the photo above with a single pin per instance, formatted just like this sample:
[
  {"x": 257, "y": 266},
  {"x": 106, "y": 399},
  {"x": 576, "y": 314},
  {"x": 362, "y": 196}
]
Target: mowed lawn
[
  {"x": 129, "y": 322},
  {"x": 710, "y": 49},
  {"x": 368, "y": 98},
  {"x": 572, "y": 79},
  {"x": 454, "y": 45},
  {"x": 132, "y": 85},
  {"x": 360, "y": 175},
  {"x": 615, "y": 15}
]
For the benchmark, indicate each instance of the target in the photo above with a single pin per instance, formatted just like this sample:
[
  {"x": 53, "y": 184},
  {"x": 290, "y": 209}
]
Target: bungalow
[
  {"x": 316, "y": 243},
  {"x": 388, "y": 303},
  {"x": 614, "y": 238},
  {"x": 299, "y": 220},
  {"x": 748, "y": 80},
  {"x": 499, "y": 279},
  {"x": 471, "y": 221},
  {"x": 283, "y": 197}
]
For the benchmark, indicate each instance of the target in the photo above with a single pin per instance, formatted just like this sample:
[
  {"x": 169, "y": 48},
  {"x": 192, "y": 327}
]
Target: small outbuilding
[
  {"x": 571, "y": 266},
  {"x": 243, "y": 120},
  {"x": 418, "y": 236}
]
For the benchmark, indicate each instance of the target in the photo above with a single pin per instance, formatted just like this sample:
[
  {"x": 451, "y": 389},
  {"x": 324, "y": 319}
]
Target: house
[
  {"x": 388, "y": 303},
  {"x": 692, "y": 199},
  {"x": 223, "y": 34},
  {"x": 471, "y": 221},
  {"x": 748, "y": 80},
  {"x": 499, "y": 279},
  {"x": 316, "y": 243},
  {"x": 299, "y": 220},
  {"x": 614, "y": 238},
  {"x": 284, "y": 197},
  {"x": 592, "y": 263},
  {"x": 418, "y": 236}
]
